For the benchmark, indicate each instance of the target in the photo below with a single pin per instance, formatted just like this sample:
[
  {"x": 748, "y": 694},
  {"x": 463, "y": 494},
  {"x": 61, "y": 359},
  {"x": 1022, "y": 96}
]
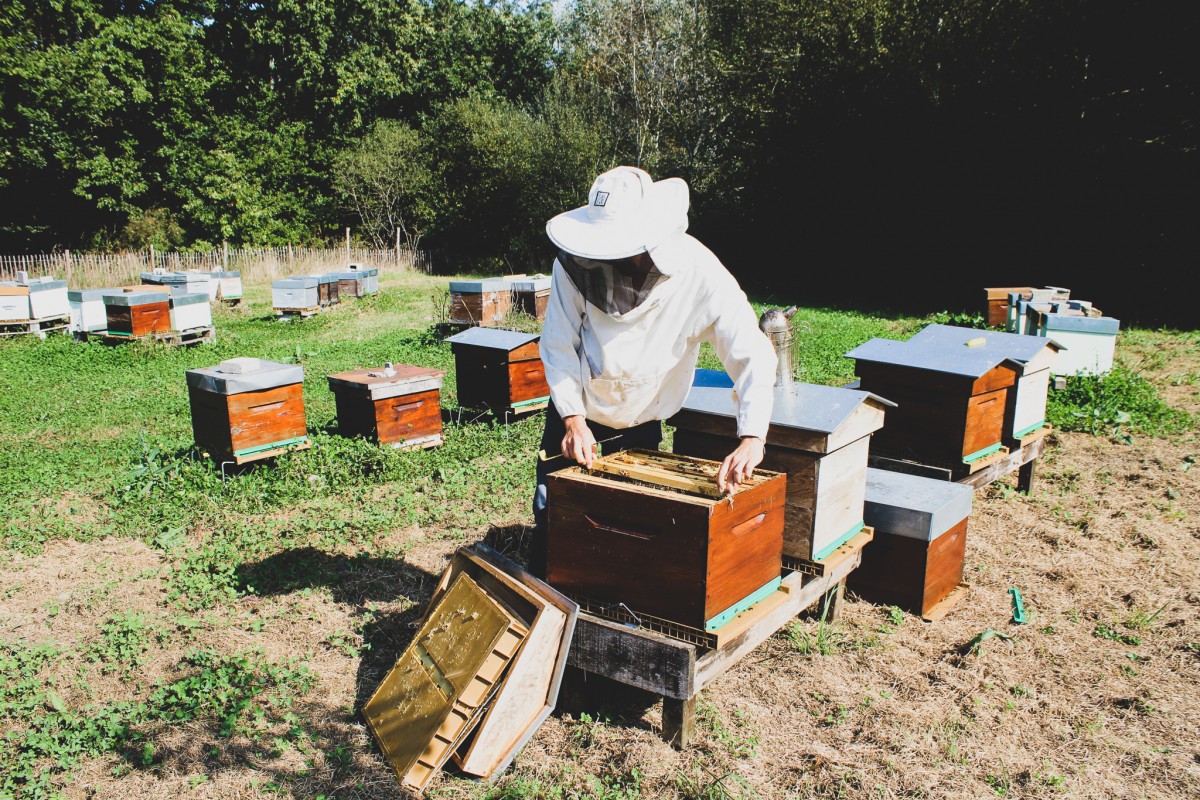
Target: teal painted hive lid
[
  {"x": 913, "y": 506},
  {"x": 260, "y": 376},
  {"x": 124, "y": 299}
]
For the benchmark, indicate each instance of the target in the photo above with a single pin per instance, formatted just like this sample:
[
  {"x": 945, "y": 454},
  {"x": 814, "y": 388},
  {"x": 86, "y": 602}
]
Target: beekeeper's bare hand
[
  {"x": 739, "y": 465},
  {"x": 579, "y": 444}
]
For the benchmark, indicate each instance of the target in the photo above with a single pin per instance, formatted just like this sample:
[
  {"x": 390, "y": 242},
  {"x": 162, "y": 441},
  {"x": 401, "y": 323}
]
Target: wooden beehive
[
  {"x": 531, "y": 294},
  {"x": 352, "y": 283},
  {"x": 651, "y": 531},
  {"x": 295, "y": 294},
  {"x": 329, "y": 289},
  {"x": 14, "y": 302},
  {"x": 87, "y": 309},
  {"x": 499, "y": 369},
  {"x": 483, "y": 302},
  {"x": 246, "y": 409},
  {"x": 1025, "y": 402},
  {"x": 190, "y": 311},
  {"x": 950, "y": 399},
  {"x": 997, "y": 308},
  {"x": 401, "y": 409},
  {"x": 819, "y": 436},
  {"x": 916, "y": 558},
  {"x": 436, "y": 691},
  {"x": 1089, "y": 342},
  {"x": 137, "y": 313},
  {"x": 48, "y": 298},
  {"x": 229, "y": 284}
]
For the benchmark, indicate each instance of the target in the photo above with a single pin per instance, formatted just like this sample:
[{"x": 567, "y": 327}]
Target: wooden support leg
[
  {"x": 835, "y": 598},
  {"x": 679, "y": 721},
  {"x": 1025, "y": 477}
]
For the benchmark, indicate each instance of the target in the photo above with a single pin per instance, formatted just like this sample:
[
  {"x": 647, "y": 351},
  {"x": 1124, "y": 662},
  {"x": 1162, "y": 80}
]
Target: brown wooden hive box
[
  {"x": 950, "y": 399},
  {"x": 483, "y": 302},
  {"x": 401, "y": 409},
  {"x": 650, "y": 530},
  {"x": 916, "y": 558},
  {"x": 138, "y": 313},
  {"x": 819, "y": 437},
  {"x": 242, "y": 415},
  {"x": 499, "y": 369},
  {"x": 531, "y": 294}
]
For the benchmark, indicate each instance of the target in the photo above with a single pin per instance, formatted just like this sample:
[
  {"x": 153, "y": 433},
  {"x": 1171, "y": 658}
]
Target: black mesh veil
[{"x": 608, "y": 285}]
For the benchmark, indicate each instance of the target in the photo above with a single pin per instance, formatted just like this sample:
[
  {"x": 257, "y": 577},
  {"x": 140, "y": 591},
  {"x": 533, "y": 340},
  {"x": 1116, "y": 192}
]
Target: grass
[{"x": 96, "y": 442}]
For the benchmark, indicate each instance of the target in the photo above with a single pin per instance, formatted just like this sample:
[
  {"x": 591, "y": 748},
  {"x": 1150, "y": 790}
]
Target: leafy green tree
[{"x": 387, "y": 179}]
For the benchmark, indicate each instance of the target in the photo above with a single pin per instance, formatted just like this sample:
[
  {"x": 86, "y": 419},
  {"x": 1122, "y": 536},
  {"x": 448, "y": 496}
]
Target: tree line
[{"x": 918, "y": 142}]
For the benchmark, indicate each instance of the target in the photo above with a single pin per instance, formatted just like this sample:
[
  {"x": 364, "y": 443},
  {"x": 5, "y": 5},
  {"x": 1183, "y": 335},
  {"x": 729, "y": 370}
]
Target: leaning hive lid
[
  {"x": 494, "y": 338},
  {"x": 266, "y": 375},
  {"x": 913, "y": 506}
]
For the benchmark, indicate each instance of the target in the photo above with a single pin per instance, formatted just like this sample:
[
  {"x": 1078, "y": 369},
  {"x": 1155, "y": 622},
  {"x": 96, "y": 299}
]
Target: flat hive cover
[
  {"x": 913, "y": 506},
  {"x": 804, "y": 406},
  {"x": 135, "y": 298},
  {"x": 953, "y": 358},
  {"x": 301, "y": 282},
  {"x": 269, "y": 375},
  {"x": 494, "y": 338},
  {"x": 1016, "y": 346},
  {"x": 485, "y": 285},
  {"x": 407, "y": 379}
]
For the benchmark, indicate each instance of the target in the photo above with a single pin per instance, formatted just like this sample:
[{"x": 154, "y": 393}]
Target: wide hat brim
[{"x": 663, "y": 216}]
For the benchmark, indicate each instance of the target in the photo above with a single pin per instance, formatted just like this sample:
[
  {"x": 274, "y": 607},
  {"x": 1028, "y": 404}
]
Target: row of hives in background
[
  {"x": 170, "y": 306},
  {"x": 305, "y": 295},
  {"x": 1088, "y": 337},
  {"x": 493, "y": 301}
]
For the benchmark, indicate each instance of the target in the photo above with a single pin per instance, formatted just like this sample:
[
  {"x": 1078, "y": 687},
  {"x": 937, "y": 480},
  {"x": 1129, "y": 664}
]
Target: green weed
[{"x": 1118, "y": 402}]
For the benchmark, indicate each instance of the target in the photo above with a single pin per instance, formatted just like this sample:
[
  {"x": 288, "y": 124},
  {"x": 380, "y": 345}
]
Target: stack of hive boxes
[{"x": 1086, "y": 335}]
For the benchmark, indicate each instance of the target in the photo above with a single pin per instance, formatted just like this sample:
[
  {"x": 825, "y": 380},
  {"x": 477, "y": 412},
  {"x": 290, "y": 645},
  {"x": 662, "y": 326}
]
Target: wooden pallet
[
  {"x": 260, "y": 455},
  {"x": 194, "y": 336},
  {"x": 996, "y": 466},
  {"x": 677, "y": 670},
  {"x": 902, "y": 463},
  {"x": 37, "y": 327},
  {"x": 299, "y": 312}
]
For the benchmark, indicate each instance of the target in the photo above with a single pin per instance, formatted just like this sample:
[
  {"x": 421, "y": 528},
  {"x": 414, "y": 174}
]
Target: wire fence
[{"x": 257, "y": 264}]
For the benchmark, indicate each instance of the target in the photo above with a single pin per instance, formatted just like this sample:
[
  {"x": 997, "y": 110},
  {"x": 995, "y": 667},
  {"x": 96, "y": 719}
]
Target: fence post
[
  {"x": 225, "y": 255},
  {"x": 348, "y": 259}
]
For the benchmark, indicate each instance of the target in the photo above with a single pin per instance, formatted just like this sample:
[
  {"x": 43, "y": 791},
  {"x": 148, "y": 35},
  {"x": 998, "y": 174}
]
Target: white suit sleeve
[
  {"x": 560, "y": 343},
  {"x": 745, "y": 352}
]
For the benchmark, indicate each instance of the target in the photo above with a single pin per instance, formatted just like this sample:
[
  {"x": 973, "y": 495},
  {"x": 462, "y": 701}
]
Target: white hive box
[
  {"x": 299, "y": 292},
  {"x": 14, "y": 302},
  {"x": 229, "y": 284},
  {"x": 1089, "y": 342},
  {"x": 48, "y": 298},
  {"x": 190, "y": 282},
  {"x": 190, "y": 311},
  {"x": 87, "y": 309}
]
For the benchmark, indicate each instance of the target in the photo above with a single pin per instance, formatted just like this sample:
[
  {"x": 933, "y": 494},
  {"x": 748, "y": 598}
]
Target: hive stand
[
  {"x": 1022, "y": 460},
  {"x": 678, "y": 671}
]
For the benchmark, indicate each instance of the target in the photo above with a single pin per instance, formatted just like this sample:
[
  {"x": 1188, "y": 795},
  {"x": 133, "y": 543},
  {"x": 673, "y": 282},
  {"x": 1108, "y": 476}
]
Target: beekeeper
[{"x": 633, "y": 297}]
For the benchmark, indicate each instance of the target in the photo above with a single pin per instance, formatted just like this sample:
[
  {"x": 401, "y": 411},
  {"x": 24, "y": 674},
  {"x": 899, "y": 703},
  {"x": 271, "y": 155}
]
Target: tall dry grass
[{"x": 258, "y": 264}]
